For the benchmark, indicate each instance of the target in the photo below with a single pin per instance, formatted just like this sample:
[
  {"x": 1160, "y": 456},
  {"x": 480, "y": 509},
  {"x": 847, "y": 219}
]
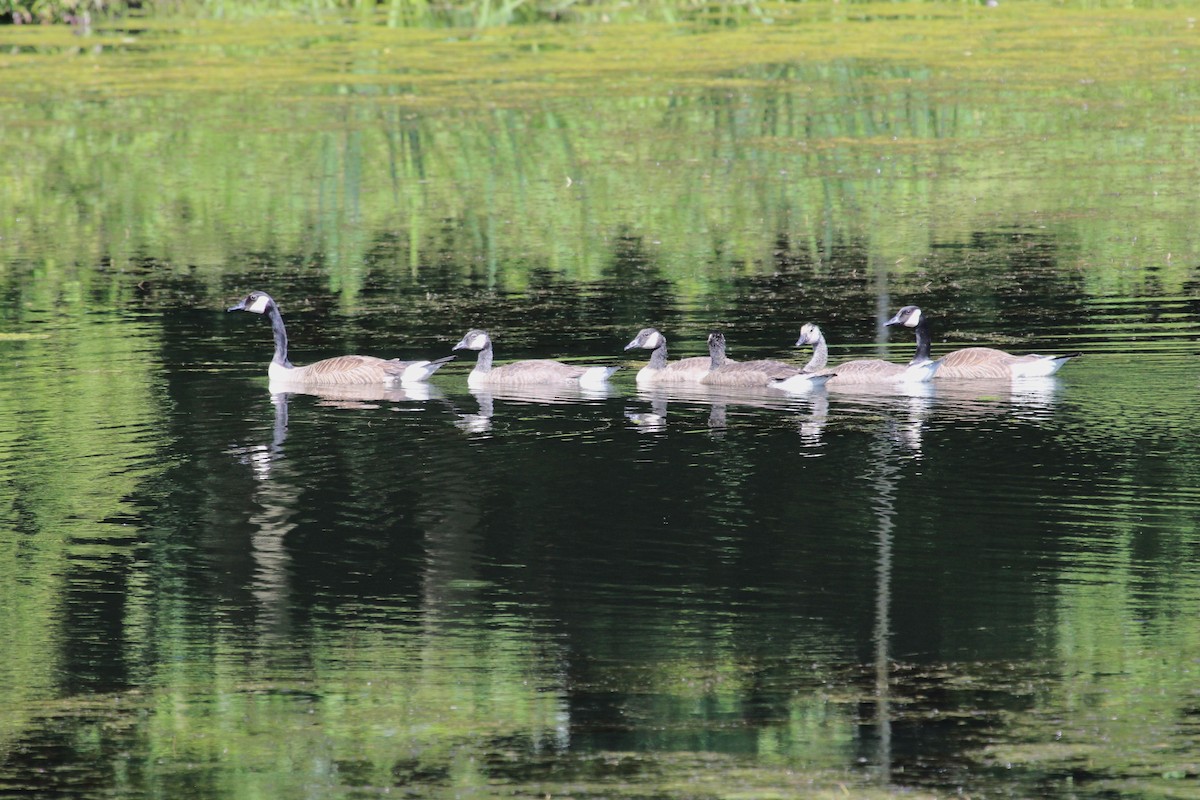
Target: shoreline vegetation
[{"x": 81, "y": 14}]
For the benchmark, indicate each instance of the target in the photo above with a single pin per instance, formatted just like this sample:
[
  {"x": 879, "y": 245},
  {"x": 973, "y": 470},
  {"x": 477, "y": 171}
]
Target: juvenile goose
[
  {"x": 526, "y": 373},
  {"x": 861, "y": 371},
  {"x": 977, "y": 362},
  {"x": 763, "y": 372},
  {"x": 658, "y": 371},
  {"x": 336, "y": 371}
]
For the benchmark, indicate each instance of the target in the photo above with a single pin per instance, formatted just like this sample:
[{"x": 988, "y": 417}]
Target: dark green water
[{"x": 989, "y": 589}]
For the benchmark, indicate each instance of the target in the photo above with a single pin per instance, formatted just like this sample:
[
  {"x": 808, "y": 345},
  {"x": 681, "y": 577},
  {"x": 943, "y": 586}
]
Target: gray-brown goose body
[
  {"x": 763, "y": 372},
  {"x": 531, "y": 372},
  {"x": 351, "y": 370},
  {"x": 977, "y": 362},
  {"x": 860, "y": 371},
  {"x": 659, "y": 371}
]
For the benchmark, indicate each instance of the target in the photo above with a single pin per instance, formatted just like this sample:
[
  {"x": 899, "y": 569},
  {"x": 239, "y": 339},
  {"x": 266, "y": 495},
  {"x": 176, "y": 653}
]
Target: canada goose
[
  {"x": 526, "y": 373},
  {"x": 336, "y": 371},
  {"x": 977, "y": 362},
  {"x": 658, "y": 371},
  {"x": 763, "y": 372},
  {"x": 860, "y": 371}
]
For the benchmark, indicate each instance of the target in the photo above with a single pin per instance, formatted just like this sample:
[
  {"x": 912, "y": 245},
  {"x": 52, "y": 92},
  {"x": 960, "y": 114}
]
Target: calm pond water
[{"x": 977, "y": 588}]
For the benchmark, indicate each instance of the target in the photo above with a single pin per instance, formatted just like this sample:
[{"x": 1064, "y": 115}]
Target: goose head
[
  {"x": 909, "y": 317},
  {"x": 255, "y": 302},
  {"x": 647, "y": 339},
  {"x": 475, "y": 339},
  {"x": 809, "y": 334}
]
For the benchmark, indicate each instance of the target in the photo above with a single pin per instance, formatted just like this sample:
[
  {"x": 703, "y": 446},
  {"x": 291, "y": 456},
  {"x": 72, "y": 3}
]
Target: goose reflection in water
[
  {"x": 906, "y": 406},
  {"x": 1030, "y": 398},
  {"x": 720, "y": 400},
  {"x": 278, "y": 500},
  {"x": 543, "y": 394},
  {"x": 360, "y": 397},
  {"x": 261, "y": 458}
]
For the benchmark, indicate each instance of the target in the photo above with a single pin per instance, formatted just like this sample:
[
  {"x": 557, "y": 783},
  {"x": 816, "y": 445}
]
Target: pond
[{"x": 961, "y": 587}]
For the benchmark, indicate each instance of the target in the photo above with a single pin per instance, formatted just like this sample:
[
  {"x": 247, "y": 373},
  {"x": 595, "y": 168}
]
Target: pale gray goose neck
[
  {"x": 483, "y": 362},
  {"x": 658, "y": 356},
  {"x": 653, "y": 340},
  {"x": 814, "y": 336},
  {"x": 281, "y": 342},
  {"x": 481, "y": 341},
  {"x": 716, "y": 349}
]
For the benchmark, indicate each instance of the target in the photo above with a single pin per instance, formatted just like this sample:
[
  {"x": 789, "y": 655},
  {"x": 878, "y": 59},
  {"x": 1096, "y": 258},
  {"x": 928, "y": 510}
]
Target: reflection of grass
[
  {"x": 488, "y": 13},
  {"x": 498, "y": 153},
  {"x": 264, "y": 742},
  {"x": 1026, "y": 755},
  {"x": 708, "y": 775}
]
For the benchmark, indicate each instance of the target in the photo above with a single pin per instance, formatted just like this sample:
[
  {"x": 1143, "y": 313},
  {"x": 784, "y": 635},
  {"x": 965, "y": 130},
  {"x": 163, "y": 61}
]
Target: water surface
[{"x": 987, "y": 588}]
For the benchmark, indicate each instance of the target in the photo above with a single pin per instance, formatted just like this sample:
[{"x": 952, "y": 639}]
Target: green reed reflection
[
  {"x": 713, "y": 147},
  {"x": 77, "y": 443}
]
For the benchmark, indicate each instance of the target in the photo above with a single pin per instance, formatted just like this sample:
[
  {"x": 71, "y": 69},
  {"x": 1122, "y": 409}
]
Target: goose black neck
[
  {"x": 924, "y": 342},
  {"x": 281, "y": 355},
  {"x": 484, "y": 362},
  {"x": 658, "y": 358}
]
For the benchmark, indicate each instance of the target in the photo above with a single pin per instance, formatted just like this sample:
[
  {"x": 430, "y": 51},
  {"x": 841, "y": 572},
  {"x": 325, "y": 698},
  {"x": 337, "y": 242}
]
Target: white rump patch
[
  {"x": 277, "y": 373},
  {"x": 416, "y": 372},
  {"x": 920, "y": 373},
  {"x": 1040, "y": 368},
  {"x": 800, "y": 384},
  {"x": 595, "y": 377}
]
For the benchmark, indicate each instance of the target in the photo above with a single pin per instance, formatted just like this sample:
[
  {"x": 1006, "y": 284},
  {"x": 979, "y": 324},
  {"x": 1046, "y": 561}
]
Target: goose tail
[
  {"x": 596, "y": 377},
  {"x": 419, "y": 371},
  {"x": 920, "y": 373},
  {"x": 1043, "y": 366},
  {"x": 802, "y": 383}
]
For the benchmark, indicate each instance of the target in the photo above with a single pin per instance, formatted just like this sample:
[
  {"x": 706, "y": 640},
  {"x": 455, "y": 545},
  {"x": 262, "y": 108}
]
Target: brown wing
[
  {"x": 685, "y": 370},
  {"x": 864, "y": 371},
  {"x": 349, "y": 371},
  {"x": 534, "y": 371},
  {"x": 978, "y": 362},
  {"x": 749, "y": 373}
]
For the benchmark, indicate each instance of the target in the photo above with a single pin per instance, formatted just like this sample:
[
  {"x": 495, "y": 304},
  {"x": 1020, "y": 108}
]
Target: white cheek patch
[
  {"x": 259, "y": 306},
  {"x": 478, "y": 341},
  {"x": 913, "y": 320},
  {"x": 653, "y": 341}
]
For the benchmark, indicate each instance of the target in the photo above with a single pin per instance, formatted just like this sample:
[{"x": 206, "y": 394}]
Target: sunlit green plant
[{"x": 72, "y": 11}]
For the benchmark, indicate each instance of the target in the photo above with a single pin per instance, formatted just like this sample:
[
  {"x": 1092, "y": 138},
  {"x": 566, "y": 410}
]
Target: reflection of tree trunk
[
  {"x": 883, "y": 481},
  {"x": 278, "y": 499},
  {"x": 449, "y": 514},
  {"x": 883, "y": 301}
]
